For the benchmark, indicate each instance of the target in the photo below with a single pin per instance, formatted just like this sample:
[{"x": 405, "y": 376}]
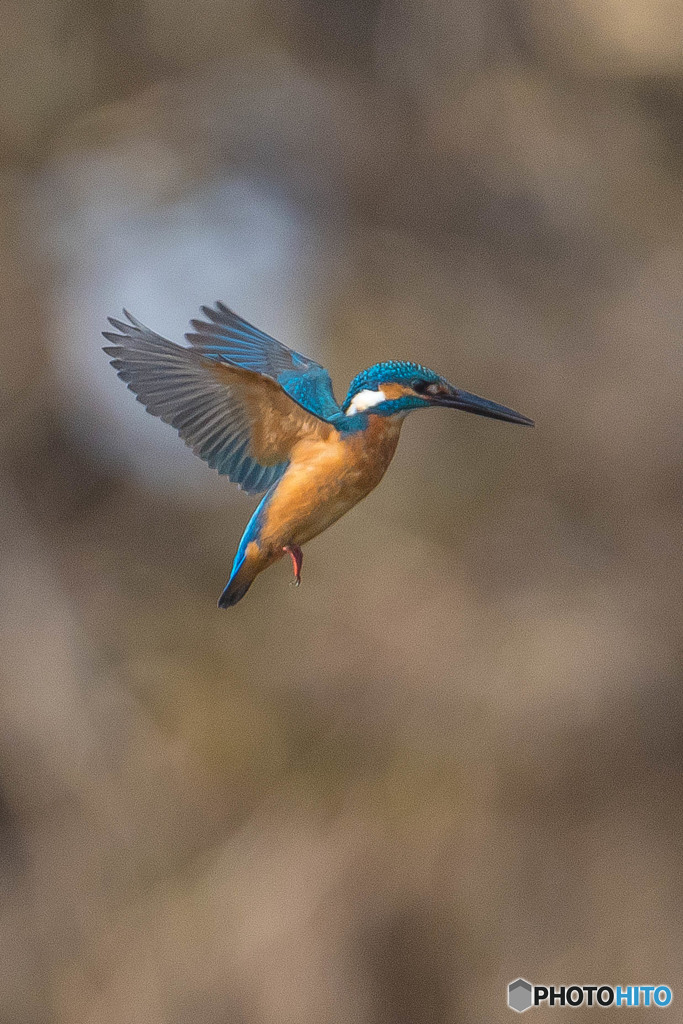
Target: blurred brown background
[{"x": 454, "y": 756}]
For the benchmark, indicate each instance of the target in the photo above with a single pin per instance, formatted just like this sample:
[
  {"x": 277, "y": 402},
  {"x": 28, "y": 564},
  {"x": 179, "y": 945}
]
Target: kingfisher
[{"x": 266, "y": 417}]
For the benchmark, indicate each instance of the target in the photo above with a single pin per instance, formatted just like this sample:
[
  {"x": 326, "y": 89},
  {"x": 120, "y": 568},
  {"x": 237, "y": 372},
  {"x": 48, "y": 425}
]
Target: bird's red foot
[{"x": 297, "y": 556}]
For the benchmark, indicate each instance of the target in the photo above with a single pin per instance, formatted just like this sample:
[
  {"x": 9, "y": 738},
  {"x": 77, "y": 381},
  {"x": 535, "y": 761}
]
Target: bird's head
[{"x": 397, "y": 388}]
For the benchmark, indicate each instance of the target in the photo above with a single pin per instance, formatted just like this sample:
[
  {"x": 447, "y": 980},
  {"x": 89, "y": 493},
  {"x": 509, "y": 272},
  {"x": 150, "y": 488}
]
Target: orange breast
[{"x": 326, "y": 477}]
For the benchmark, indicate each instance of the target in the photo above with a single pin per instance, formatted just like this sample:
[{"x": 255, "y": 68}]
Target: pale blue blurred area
[{"x": 162, "y": 256}]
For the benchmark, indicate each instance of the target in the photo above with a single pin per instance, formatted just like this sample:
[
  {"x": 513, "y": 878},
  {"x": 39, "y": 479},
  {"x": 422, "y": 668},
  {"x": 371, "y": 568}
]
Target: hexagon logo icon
[{"x": 520, "y": 995}]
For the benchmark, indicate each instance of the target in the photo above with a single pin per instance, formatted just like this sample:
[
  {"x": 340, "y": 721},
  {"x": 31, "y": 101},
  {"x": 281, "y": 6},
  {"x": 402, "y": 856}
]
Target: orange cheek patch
[{"x": 393, "y": 391}]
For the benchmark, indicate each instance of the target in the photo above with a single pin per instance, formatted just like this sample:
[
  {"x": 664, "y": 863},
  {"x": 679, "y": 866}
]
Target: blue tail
[
  {"x": 234, "y": 592},
  {"x": 240, "y": 578}
]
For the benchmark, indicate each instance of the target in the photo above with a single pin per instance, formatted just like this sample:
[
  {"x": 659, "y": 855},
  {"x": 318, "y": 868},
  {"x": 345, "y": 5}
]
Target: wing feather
[
  {"x": 243, "y": 424},
  {"x": 226, "y": 335}
]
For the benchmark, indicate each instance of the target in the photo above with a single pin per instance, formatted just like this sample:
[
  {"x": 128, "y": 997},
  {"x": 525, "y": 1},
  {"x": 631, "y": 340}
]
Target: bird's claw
[{"x": 297, "y": 556}]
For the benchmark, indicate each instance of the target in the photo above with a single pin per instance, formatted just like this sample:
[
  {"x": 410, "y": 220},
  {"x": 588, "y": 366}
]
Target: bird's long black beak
[{"x": 458, "y": 399}]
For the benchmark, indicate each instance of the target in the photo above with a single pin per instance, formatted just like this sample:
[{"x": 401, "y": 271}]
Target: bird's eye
[{"x": 423, "y": 387}]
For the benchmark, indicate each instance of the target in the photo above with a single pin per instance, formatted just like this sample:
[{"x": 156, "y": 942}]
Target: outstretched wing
[
  {"x": 240, "y": 422},
  {"x": 227, "y": 335}
]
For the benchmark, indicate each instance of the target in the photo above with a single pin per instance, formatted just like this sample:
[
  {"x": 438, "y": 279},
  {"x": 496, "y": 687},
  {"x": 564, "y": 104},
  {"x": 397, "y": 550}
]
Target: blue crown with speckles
[{"x": 392, "y": 372}]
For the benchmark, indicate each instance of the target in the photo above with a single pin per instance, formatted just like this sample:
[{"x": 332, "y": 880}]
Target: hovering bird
[{"x": 266, "y": 417}]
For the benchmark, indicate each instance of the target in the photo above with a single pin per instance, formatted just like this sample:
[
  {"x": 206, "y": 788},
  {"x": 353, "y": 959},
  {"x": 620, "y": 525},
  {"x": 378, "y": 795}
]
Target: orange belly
[{"x": 324, "y": 480}]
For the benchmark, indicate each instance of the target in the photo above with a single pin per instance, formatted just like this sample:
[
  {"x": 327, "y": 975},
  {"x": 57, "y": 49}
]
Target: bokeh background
[{"x": 454, "y": 756}]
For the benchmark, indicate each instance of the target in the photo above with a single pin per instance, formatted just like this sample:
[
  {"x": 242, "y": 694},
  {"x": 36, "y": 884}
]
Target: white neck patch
[{"x": 365, "y": 400}]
